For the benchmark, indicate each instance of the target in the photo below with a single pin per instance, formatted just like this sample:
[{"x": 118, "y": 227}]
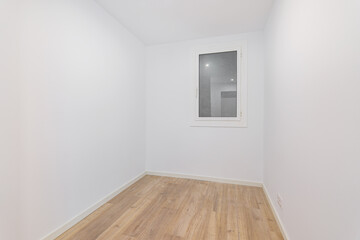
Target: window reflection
[{"x": 218, "y": 84}]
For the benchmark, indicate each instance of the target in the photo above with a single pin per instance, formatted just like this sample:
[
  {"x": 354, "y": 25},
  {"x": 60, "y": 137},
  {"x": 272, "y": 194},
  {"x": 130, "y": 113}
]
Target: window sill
[{"x": 220, "y": 123}]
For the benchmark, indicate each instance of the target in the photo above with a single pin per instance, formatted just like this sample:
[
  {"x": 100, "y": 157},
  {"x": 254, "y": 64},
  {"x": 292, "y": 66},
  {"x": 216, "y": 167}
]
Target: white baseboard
[
  {"x": 275, "y": 213},
  {"x": 91, "y": 209},
  {"x": 230, "y": 181},
  {"x": 205, "y": 178}
]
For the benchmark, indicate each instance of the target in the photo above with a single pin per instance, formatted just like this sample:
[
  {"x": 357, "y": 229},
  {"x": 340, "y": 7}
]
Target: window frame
[{"x": 241, "y": 119}]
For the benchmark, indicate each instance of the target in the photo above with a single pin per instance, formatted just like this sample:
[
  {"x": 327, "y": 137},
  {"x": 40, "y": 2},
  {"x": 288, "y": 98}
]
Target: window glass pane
[{"x": 217, "y": 84}]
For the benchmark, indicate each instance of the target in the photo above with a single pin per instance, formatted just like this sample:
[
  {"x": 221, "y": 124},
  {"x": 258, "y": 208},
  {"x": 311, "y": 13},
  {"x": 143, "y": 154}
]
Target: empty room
[{"x": 179, "y": 120}]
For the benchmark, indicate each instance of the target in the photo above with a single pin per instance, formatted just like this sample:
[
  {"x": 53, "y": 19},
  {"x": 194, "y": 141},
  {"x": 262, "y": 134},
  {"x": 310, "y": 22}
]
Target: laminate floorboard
[{"x": 164, "y": 208}]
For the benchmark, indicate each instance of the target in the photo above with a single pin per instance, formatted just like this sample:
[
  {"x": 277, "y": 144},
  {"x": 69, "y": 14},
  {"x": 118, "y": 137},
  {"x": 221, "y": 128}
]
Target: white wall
[
  {"x": 10, "y": 149},
  {"x": 82, "y": 85},
  {"x": 171, "y": 144},
  {"x": 312, "y": 116}
]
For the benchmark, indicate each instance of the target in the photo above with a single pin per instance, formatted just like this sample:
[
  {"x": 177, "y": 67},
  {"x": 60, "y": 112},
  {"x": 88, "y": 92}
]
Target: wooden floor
[{"x": 156, "y": 208}]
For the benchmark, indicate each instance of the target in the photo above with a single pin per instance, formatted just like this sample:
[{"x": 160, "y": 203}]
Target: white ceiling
[{"x": 162, "y": 21}]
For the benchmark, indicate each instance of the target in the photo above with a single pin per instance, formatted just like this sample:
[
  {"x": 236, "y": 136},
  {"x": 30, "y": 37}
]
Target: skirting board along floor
[
  {"x": 229, "y": 181},
  {"x": 83, "y": 215},
  {"x": 159, "y": 208},
  {"x": 91, "y": 209},
  {"x": 276, "y": 215},
  {"x": 205, "y": 178}
]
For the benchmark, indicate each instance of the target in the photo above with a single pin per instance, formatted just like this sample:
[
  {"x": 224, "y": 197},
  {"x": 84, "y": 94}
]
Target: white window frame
[{"x": 241, "y": 119}]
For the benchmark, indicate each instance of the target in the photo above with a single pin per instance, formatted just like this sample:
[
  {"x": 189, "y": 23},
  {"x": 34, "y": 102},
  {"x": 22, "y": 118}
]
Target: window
[{"x": 220, "y": 99}]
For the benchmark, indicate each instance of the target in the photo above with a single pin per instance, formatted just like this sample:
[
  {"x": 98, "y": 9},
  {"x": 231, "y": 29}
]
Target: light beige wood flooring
[{"x": 163, "y": 208}]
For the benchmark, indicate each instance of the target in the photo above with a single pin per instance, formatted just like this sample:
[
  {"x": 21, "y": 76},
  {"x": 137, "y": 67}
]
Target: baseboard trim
[
  {"x": 230, "y": 181},
  {"x": 205, "y": 178},
  {"x": 91, "y": 209},
  {"x": 275, "y": 213}
]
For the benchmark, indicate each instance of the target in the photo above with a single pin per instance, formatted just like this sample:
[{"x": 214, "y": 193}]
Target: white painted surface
[
  {"x": 159, "y": 21},
  {"x": 206, "y": 178},
  {"x": 82, "y": 137},
  {"x": 276, "y": 214},
  {"x": 312, "y": 116},
  {"x": 91, "y": 209},
  {"x": 70, "y": 135},
  {"x": 10, "y": 117},
  {"x": 172, "y": 145}
]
